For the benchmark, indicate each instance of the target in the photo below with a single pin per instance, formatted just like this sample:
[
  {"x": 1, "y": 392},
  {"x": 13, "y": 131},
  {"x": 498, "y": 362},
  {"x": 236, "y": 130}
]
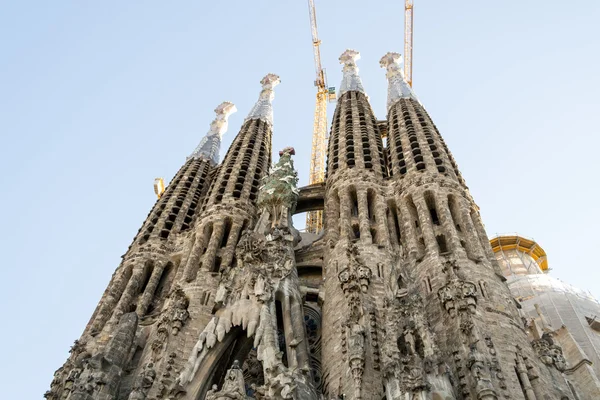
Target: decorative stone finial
[
  {"x": 210, "y": 144},
  {"x": 398, "y": 88},
  {"x": 263, "y": 109},
  {"x": 350, "y": 79},
  {"x": 287, "y": 150}
]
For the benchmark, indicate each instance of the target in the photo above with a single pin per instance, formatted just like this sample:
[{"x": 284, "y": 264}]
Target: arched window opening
[
  {"x": 429, "y": 200},
  {"x": 148, "y": 268},
  {"x": 312, "y": 323},
  {"x": 226, "y": 232},
  {"x": 217, "y": 265},
  {"x": 354, "y": 200},
  {"x": 373, "y": 235},
  {"x": 412, "y": 209},
  {"x": 280, "y": 332},
  {"x": 208, "y": 231},
  {"x": 356, "y": 231},
  {"x": 396, "y": 220},
  {"x": 441, "y": 241},
  {"x": 371, "y": 205},
  {"x": 454, "y": 213}
]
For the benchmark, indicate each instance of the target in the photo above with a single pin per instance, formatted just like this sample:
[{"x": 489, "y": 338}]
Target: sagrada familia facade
[{"x": 400, "y": 297}]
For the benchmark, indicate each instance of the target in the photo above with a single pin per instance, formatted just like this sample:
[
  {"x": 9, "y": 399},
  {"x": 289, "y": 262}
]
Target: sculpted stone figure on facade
[
  {"x": 549, "y": 352},
  {"x": 179, "y": 313},
  {"x": 233, "y": 386},
  {"x": 143, "y": 383},
  {"x": 479, "y": 372}
]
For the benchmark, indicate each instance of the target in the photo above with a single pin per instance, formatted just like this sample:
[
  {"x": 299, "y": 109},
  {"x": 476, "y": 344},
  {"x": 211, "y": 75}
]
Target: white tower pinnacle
[
  {"x": 210, "y": 144},
  {"x": 398, "y": 88},
  {"x": 263, "y": 109},
  {"x": 351, "y": 79}
]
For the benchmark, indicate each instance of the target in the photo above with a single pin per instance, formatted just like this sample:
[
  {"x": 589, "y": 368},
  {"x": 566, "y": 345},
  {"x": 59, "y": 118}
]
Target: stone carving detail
[
  {"x": 385, "y": 298},
  {"x": 170, "y": 321},
  {"x": 312, "y": 321},
  {"x": 246, "y": 294},
  {"x": 253, "y": 373},
  {"x": 462, "y": 375},
  {"x": 354, "y": 281},
  {"x": 475, "y": 374},
  {"x": 66, "y": 377},
  {"x": 477, "y": 365},
  {"x": 143, "y": 383},
  {"x": 374, "y": 340},
  {"x": 549, "y": 352},
  {"x": 279, "y": 193},
  {"x": 160, "y": 337},
  {"x": 179, "y": 313},
  {"x": 458, "y": 296},
  {"x": 495, "y": 367},
  {"x": 233, "y": 386},
  {"x": 167, "y": 377},
  {"x": 100, "y": 377},
  {"x": 408, "y": 354}
]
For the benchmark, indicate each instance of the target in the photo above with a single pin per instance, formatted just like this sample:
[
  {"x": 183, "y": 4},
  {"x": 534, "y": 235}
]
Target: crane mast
[
  {"x": 314, "y": 219},
  {"x": 408, "y": 40}
]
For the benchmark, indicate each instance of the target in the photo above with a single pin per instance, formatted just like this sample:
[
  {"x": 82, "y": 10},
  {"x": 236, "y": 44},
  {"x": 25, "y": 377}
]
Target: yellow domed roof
[{"x": 520, "y": 243}]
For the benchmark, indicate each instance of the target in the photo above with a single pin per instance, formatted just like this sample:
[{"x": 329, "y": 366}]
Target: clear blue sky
[{"x": 99, "y": 98}]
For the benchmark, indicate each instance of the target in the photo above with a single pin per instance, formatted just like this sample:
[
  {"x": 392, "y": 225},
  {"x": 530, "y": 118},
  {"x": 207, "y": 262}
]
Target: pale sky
[{"x": 99, "y": 98}]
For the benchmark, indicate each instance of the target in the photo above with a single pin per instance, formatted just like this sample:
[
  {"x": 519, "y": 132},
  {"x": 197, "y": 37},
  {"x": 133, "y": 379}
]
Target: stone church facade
[{"x": 400, "y": 297}]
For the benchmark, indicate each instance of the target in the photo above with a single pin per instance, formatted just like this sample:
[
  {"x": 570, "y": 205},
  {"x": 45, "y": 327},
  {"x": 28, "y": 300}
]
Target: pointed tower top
[
  {"x": 351, "y": 80},
  {"x": 210, "y": 144},
  {"x": 263, "y": 109},
  {"x": 398, "y": 88}
]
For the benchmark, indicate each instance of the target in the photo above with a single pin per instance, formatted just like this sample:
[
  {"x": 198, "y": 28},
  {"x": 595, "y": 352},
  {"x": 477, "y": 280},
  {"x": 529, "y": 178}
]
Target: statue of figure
[
  {"x": 279, "y": 193},
  {"x": 557, "y": 357},
  {"x": 364, "y": 277},
  {"x": 469, "y": 294},
  {"x": 344, "y": 275},
  {"x": 211, "y": 393},
  {"x": 180, "y": 313},
  {"x": 409, "y": 339},
  {"x": 357, "y": 339},
  {"x": 233, "y": 386}
]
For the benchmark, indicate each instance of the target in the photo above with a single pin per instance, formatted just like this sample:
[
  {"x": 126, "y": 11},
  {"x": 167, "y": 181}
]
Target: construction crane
[
  {"x": 314, "y": 219},
  {"x": 408, "y": 40}
]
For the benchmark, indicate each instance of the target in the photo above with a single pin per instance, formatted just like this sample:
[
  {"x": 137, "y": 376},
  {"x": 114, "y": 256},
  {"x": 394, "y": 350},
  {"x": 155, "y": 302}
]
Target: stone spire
[
  {"x": 350, "y": 80},
  {"x": 398, "y": 88},
  {"x": 210, "y": 144},
  {"x": 263, "y": 109}
]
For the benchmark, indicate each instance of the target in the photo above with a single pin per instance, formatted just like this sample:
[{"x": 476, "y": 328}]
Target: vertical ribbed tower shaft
[
  {"x": 354, "y": 259},
  {"x": 450, "y": 278},
  {"x": 230, "y": 204}
]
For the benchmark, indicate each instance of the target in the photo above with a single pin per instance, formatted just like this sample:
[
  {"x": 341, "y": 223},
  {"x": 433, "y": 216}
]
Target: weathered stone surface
[{"x": 220, "y": 297}]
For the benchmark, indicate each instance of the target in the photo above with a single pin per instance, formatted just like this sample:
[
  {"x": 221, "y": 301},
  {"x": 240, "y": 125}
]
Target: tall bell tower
[{"x": 399, "y": 298}]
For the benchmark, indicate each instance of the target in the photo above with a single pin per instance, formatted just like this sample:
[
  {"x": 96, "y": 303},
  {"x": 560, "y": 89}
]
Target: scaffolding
[{"x": 525, "y": 265}]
